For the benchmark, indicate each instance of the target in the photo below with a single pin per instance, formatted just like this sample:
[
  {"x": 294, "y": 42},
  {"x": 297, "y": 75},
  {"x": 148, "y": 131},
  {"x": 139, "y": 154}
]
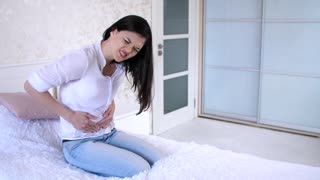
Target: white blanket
[{"x": 31, "y": 150}]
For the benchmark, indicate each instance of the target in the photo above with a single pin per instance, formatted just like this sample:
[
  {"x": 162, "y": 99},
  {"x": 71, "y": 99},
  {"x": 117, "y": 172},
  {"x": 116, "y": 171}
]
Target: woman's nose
[{"x": 129, "y": 49}]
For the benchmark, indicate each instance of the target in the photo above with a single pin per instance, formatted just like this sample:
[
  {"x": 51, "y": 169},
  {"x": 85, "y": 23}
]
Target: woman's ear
[{"x": 113, "y": 32}]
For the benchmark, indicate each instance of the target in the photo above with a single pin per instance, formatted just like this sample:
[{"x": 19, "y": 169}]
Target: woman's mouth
[{"x": 123, "y": 54}]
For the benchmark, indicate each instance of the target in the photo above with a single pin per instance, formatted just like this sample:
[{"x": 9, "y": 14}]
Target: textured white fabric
[
  {"x": 82, "y": 86},
  {"x": 31, "y": 150}
]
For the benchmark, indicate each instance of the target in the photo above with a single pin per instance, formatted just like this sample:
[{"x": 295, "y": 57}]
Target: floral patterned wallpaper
[{"x": 43, "y": 30}]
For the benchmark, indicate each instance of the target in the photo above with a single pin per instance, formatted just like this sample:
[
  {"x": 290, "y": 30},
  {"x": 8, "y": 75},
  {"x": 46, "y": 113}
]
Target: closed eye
[
  {"x": 127, "y": 41},
  {"x": 137, "y": 49}
]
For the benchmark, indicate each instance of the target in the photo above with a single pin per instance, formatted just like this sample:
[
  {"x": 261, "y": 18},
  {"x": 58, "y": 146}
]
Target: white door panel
[{"x": 174, "y": 61}]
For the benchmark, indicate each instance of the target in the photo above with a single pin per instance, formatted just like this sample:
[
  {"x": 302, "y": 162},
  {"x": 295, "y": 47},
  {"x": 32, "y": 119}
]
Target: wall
[{"x": 39, "y": 31}]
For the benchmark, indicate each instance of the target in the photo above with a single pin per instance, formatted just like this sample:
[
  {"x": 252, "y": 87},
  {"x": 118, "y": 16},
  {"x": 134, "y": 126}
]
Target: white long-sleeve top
[{"x": 83, "y": 87}]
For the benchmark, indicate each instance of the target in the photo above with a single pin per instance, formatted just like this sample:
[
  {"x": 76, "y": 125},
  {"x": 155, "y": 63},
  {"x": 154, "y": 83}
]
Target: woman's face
[{"x": 125, "y": 44}]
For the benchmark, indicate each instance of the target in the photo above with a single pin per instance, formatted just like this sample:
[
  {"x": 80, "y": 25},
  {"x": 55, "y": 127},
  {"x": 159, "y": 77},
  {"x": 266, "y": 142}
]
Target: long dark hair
[{"x": 140, "y": 67}]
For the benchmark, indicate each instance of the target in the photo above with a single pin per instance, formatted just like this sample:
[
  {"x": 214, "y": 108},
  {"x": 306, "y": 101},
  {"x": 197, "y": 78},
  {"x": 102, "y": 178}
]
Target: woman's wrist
[{"x": 67, "y": 114}]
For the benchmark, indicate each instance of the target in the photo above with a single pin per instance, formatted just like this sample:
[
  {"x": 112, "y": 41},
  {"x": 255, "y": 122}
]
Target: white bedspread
[{"x": 31, "y": 150}]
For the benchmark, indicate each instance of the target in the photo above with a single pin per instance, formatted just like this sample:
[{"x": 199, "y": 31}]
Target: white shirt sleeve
[{"x": 68, "y": 68}]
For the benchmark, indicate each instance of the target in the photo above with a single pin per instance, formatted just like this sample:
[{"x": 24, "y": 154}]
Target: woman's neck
[{"x": 106, "y": 51}]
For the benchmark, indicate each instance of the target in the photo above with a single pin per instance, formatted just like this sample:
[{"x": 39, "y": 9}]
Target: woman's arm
[
  {"x": 47, "y": 100},
  {"x": 79, "y": 120}
]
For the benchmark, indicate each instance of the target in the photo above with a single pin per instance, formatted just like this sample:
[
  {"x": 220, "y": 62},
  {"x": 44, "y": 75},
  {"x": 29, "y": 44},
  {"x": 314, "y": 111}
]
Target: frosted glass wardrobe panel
[
  {"x": 292, "y": 47},
  {"x": 233, "y": 9},
  {"x": 261, "y": 62},
  {"x": 233, "y": 44},
  {"x": 229, "y": 91},
  {"x": 292, "y": 9},
  {"x": 290, "y": 100}
]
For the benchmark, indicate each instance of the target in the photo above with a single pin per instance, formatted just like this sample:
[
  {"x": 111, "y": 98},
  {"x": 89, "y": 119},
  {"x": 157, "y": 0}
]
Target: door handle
[{"x": 160, "y": 47}]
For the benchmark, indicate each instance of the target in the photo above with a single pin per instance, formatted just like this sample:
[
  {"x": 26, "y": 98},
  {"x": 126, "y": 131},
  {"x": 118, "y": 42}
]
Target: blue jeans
[{"x": 113, "y": 154}]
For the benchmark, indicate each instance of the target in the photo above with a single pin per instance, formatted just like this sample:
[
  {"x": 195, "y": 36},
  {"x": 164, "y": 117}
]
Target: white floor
[{"x": 269, "y": 144}]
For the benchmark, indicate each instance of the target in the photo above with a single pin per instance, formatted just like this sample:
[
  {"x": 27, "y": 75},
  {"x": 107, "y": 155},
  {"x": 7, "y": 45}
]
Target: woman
[{"x": 88, "y": 80}]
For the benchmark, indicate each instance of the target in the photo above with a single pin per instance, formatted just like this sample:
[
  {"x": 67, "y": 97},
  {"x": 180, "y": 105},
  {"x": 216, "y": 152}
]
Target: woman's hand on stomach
[
  {"x": 81, "y": 120},
  {"x": 107, "y": 116}
]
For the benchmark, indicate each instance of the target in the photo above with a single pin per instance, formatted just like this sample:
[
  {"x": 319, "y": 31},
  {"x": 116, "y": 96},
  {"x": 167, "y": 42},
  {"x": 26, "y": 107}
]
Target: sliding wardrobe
[{"x": 261, "y": 63}]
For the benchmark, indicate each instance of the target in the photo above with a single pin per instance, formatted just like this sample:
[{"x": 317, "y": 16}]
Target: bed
[{"x": 31, "y": 150}]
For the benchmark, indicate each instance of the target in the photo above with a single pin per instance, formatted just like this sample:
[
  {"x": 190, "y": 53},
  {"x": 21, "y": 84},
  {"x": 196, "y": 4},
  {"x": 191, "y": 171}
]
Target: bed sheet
[{"x": 30, "y": 149}]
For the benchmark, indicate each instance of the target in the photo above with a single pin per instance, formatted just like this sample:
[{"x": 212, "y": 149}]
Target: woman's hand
[
  {"x": 107, "y": 116},
  {"x": 81, "y": 121}
]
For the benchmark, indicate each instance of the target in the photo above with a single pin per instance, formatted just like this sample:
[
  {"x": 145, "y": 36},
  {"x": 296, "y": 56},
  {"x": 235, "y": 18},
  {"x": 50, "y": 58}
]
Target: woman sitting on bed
[{"x": 88, "y": 80}]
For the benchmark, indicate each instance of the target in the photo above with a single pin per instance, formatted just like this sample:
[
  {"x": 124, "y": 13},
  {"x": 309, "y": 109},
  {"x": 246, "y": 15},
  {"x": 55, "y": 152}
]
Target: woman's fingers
[
  {"x": 81, "y": 121},
  {"x": 91, "y": 126},
  {"x": 88, "y": 125},
  {"x": 104, "y": 122},
  {"x": 90, "y": 116},
  {"x": 107, "y": 113}
]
